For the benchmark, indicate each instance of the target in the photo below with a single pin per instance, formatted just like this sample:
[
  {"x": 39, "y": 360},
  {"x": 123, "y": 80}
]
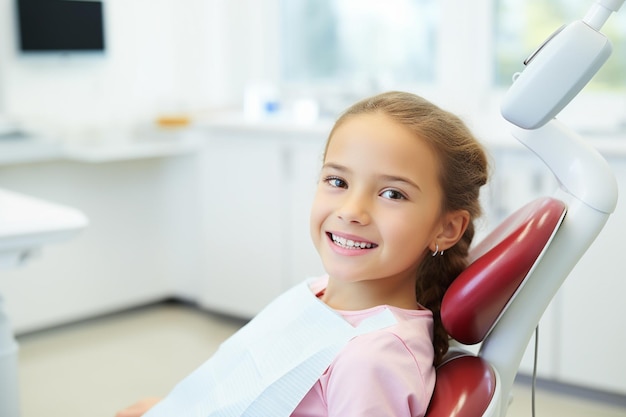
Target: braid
[{"x": 435, "y": 275}]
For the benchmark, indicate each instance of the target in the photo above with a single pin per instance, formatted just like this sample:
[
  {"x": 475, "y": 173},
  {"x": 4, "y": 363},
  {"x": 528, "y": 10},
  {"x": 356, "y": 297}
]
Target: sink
[{"x": 27, "y": 224}]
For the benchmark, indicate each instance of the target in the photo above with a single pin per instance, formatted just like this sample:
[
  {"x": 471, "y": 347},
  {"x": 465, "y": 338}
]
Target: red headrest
[{"x": 499, "y": 264}]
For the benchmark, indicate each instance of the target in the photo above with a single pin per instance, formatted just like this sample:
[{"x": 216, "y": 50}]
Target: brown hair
[{"x": 464, "y": 169}]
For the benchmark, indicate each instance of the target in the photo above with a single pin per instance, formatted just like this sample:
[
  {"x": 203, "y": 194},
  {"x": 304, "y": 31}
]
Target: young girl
[{"x": 392, "y": 221}]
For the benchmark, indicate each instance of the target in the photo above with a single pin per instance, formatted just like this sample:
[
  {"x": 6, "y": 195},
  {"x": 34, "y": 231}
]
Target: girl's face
[{"x": 377, "y": 206}]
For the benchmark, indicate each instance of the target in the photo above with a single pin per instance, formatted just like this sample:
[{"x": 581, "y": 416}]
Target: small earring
[{"x": 437, "y": 251}]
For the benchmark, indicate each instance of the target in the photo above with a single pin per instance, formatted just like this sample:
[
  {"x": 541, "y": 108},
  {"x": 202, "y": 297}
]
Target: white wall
[{"x": 161, "y": 56}]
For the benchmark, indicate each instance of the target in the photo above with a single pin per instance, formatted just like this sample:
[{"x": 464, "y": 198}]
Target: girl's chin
[{"x": 341, "y": 275}]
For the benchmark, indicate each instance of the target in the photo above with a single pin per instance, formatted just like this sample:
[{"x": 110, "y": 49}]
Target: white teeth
[{"x": 350, "y": 244}]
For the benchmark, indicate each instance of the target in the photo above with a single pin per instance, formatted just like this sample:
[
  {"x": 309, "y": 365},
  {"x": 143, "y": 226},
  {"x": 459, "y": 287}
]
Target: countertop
[{"x": 22, "y": 149}]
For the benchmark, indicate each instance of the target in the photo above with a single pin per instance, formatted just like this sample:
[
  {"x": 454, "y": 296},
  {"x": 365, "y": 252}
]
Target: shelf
[
  {"x": 132, "y": 149},
  {"x": 20, "y": 149},
  {"x": 237, "y": 123},
  {"x": 30, "y": 149}
]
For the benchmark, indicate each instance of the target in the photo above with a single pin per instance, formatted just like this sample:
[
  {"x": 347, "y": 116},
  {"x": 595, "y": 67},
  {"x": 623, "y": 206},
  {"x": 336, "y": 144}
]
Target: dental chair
[
  {"x": 467, "y": 384},
  {"x": 517, "y": 269}
]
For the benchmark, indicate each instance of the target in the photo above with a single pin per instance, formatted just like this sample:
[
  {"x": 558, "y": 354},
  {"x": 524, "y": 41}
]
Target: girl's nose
[{"x": 355, "y": 209}]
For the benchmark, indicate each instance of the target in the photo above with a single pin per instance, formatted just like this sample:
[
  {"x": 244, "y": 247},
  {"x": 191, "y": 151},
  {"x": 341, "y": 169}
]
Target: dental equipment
[{"x": 479, "y": 385}]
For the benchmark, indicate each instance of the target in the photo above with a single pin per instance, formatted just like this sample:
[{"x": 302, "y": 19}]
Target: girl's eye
[
  {"x": 335, "y": 182},
  {"x": 393, "y": 195}
]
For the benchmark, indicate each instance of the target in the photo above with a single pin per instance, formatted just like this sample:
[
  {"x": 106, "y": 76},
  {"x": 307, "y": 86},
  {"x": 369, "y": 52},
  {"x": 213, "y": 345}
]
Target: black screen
[{"x": 60, "y": 25}]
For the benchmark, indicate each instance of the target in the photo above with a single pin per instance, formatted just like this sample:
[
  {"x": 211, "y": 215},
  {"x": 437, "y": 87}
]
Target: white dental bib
[{"x": 267, "y": 367}]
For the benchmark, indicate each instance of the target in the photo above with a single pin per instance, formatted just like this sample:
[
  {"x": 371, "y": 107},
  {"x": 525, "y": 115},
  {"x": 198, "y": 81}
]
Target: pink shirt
[{"x": 385, "y": 373}]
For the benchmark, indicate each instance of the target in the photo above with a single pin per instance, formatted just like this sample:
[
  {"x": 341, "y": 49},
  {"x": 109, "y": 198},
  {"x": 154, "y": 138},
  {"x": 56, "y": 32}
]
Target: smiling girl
[{"x": 392, "y": 221}]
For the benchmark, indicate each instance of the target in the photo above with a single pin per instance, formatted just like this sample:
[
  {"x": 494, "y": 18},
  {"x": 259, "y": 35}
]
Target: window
[
  {"x": 460, "y": 54},
  {"x": 513, "y": 40},
  {"x": 358, "y": 41}
]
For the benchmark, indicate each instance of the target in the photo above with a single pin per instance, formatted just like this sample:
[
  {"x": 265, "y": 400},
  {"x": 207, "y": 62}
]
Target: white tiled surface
[{"x": 94, "y": 368}]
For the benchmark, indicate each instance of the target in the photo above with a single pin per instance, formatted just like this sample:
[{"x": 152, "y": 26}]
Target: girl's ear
[{"x": 453, "y": 226}]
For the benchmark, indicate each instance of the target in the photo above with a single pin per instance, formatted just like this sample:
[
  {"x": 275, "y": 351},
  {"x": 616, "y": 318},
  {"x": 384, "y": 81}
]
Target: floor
[{"x": 96, "y": 367}]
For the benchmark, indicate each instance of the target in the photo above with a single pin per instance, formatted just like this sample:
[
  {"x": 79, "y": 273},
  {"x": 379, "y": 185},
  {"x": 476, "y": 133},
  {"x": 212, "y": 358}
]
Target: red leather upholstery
[
  {"x": 475, "y": 300},
  {"x": 465, "y": 387}
]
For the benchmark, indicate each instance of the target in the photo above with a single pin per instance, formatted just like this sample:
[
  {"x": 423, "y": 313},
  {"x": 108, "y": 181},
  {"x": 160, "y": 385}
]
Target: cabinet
[
  {"x": 139, "y": 246},
  {"x": 256, "y": 192}
]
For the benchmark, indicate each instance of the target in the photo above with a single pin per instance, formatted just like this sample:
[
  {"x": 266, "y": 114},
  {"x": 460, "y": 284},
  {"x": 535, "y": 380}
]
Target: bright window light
[
  {"x": 359, "y": 41},
  {"x": 514, "y": 41}
]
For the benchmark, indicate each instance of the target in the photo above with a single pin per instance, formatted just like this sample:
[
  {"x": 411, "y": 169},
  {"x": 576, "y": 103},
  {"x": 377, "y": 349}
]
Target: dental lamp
[
  {"x": 553, "y": 75},
  {"x": 559, "y": 69}
]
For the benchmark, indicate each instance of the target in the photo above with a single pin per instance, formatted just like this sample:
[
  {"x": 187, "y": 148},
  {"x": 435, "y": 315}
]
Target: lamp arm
[
  {"x": 600, "y": 11},
  {"x": 577, "y": 166}
]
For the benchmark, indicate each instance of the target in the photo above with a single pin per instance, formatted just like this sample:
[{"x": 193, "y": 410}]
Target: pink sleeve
[{"x": 377, "y": 375}]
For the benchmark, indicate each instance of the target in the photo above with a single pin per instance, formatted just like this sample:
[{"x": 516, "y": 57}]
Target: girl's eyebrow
[
  {"x": 395, "y": 178},
  {"x": 384, "y": 177},
  {"x": 335, "y": 166}
]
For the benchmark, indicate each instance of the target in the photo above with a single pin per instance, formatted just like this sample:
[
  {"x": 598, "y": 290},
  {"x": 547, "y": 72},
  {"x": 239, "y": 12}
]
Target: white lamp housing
[{"x": 555, "y": 74}]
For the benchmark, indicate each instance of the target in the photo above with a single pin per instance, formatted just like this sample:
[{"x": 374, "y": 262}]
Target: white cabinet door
[
  {"x": 138, "y": 237},
  {"x": 243, "y": 186},
  {"x": 257, "y": 191},
  {"x": 593, "y": 331}
]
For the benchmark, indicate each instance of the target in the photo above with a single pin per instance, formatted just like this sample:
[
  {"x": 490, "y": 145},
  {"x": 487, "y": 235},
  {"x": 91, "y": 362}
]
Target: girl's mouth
[{"x": 349, "y": 243}]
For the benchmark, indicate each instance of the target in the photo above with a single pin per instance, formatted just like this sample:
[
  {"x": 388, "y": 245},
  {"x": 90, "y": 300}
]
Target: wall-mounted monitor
[{"x": 60, "y": 25}]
